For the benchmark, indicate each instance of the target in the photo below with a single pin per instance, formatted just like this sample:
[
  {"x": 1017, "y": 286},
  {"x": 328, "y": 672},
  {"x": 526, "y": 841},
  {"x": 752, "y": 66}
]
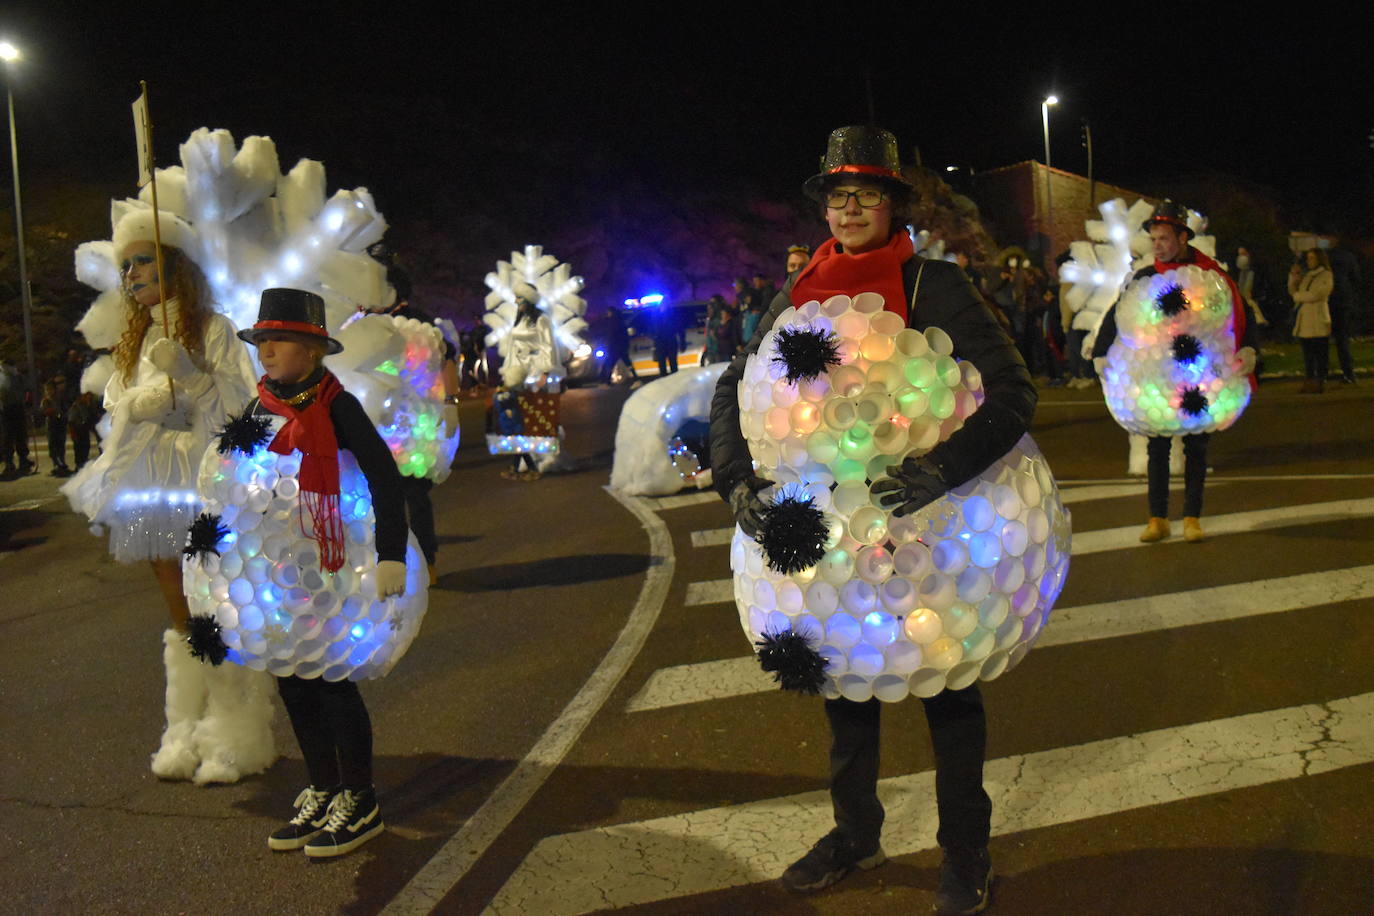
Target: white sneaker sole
[{"x": 326, "y": 852}]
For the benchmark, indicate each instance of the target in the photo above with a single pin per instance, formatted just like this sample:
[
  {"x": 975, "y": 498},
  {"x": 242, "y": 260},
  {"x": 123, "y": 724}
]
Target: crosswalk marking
[
  {"x": 1104, "y": 539},
  {"x": 708, "y": 850},
  {"x": 731, "y": 677},
  {"x": 1128, "y": 535},
  {"x": 685, "y": 499}
]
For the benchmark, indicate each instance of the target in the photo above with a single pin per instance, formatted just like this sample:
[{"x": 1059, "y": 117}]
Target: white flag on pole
[{"x": 145, "y": 153}]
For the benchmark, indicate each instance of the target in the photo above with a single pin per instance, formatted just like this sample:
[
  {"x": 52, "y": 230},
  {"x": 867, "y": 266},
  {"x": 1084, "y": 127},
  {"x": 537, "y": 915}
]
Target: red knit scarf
[
  {"x": 312, "y": 432},
  {"x": 832, "y": 272}
]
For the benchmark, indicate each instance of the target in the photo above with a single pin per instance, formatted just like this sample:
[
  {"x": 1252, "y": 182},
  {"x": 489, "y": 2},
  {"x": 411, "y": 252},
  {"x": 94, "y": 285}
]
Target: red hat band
[
  {"x": 297, "y": 327},
  {"x": 864, "y": 170}
]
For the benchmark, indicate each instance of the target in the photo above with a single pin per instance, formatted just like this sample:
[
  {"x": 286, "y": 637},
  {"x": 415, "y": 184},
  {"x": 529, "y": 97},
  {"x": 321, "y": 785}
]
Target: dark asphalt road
[{"x": 537, "y": 580}]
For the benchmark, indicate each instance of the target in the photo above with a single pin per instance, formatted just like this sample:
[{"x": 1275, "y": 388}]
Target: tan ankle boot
[
  {"x": 1192, "y": 529},
  {"x": 1156, "y": 530}
]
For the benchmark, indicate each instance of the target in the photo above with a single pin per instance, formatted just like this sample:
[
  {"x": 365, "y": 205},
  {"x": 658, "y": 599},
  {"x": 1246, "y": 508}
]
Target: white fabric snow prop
[
  {"x": 954, "y": 593},
  {"x": 276, "y": 609},
  {"x": 543, "y": 348},
  {"x": 1172, "y": 369},
  {"x": 649, "y": 420},
  {"x": 250, "y": 227}
]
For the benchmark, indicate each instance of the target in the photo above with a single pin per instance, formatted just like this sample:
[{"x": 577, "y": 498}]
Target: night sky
[{"x": 684, "y": 95}]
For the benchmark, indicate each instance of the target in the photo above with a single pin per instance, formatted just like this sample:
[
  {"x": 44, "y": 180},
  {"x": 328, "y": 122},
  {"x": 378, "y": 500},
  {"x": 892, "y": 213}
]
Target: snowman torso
[
  {"x": 1172, "y": 369},
  {"x": 277, "y": 610},
  {"x": 896, "y": 605}
]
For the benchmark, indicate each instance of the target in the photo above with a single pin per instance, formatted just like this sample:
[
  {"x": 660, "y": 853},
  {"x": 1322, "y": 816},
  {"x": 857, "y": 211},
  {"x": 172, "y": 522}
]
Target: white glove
[
  {"x": 1245, "y": 356},
  {"x": 172, "y": 358},
  {"x": 149, "y": 403},
  {"x": 1100, "y": 366},
  {"x": 391, "y": 578}
]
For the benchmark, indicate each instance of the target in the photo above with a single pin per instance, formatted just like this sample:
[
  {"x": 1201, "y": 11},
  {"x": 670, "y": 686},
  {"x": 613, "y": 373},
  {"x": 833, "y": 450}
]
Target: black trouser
[
  {"x": 1194, "y": 473},
  {"x": 958, "y": 733},
  {"x": 420, "y": 512},
  {"x": 1316, "y": 355},
  {"x": 57, "y": 441},
  {"x": 81, "y": 444},
  {"x": 333, "y": 729},
  {"x": 523, "y": 458},
  {"x": 14, "y": 434},
  {"x": 1340, "y": 335}
]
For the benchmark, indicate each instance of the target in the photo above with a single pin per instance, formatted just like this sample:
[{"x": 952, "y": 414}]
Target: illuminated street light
[
  {"x": 1049, "y": 179},
  {"x": 10, "y": 54}
]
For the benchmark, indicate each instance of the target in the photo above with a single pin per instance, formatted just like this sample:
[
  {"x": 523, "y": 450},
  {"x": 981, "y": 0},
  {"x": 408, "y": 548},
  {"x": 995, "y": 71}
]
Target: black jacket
[{"x": 946, "y": 300}]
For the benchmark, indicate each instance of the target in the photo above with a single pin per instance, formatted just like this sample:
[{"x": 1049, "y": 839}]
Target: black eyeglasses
[{"x": 868, "y": 198}]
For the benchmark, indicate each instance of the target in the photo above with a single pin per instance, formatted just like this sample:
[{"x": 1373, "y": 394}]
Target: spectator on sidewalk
[
  {"x": 14, "y": 425},
  {"x": 54, "y": 410},
  {"x": 81, "y": 419},
  {"x": 1311, "y": 290},
  {"x": 1345, "y": 276}
]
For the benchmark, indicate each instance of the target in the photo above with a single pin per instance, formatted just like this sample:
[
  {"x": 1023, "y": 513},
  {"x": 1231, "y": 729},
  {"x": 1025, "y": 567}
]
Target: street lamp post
[
  {"x": 1049, "y": 179},
  {"x": 9, "y": 54}
]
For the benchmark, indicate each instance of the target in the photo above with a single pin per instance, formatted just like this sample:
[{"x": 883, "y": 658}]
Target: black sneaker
[
  {"x": 965, "y": 882},
  {"x": 311, "y": 815},
  {"x": 354, "y": 818},
  {"x": 833, "y": 857}
]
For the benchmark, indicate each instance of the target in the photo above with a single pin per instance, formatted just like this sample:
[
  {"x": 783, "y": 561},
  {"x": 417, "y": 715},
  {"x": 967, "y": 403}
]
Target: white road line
[
  {"x": 441, "y": 873},
  {"x": 715, "y": 537},
  {"x": 703, "y": 851},
  {"x": 712, "y": 591},
  {"x": 1103, "y": 539},
  {"x": 1222, "y": 478},
  {"x": 1233, "y": 523},
  {"x": 733, "y": 677},
  {"x": 685, "y": 499}
]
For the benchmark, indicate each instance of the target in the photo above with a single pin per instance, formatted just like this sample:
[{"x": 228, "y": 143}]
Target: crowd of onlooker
[{"x": 62, "y": 412}]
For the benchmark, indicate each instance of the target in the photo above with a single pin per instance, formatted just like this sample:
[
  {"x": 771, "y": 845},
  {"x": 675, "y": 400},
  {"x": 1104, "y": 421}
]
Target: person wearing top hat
[
  {"x": 337, "y": 812},
  {"x": 866, "y": 201},
  {"x": 171, "y": 388},
  {"x": 1169, "y": 235}
]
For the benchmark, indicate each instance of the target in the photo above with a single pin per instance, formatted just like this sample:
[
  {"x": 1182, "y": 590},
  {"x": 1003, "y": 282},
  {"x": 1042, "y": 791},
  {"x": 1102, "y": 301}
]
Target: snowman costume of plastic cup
[
  {"x": 1172, "y": 369},
  {"x": 260, "y": 578},
  {"x": 394, "y": 366},
  {"x": 895, "y": 606}
]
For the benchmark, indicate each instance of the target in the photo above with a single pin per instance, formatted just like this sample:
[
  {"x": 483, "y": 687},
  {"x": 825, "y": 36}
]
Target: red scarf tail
[{"x": 327, "y": 527}]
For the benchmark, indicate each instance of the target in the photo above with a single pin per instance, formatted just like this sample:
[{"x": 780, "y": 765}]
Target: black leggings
[
  {"x": 958, "y": 734},
  {"x": 421, "y": 511},
  {"x": 333, "y": 729},
  {"x": 1316, "y": 356},
  {"x": 1194, "y": 474}
]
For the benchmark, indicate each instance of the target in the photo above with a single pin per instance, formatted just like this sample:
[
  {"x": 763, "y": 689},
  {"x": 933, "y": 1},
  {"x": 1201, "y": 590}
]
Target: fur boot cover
[
  {"x": 234, "y": 736},
  {"x": 186, "y": 695}
]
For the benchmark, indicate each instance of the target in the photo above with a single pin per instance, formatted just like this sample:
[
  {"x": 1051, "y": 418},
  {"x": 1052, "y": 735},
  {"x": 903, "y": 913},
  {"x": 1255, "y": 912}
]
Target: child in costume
[
  {"x": 314, "y": 415},
  {"x": 171, "y": 388}
]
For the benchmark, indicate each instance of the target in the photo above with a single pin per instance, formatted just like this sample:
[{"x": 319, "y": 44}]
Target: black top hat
[
  {"x": 291, "y": 311},
  {"x": 862, "y": 151},
  {"x": 1175, "y": 215}
]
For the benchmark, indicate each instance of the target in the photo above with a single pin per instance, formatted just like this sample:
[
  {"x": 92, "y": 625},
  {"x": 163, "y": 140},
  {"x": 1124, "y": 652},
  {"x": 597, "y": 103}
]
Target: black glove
[
  {"x": 914, "y": 483},
  {"x": 747, "y": 505}
]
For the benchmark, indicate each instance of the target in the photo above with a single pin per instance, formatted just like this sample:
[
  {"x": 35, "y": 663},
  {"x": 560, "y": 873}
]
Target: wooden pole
[{"x": 157, "y": 235}]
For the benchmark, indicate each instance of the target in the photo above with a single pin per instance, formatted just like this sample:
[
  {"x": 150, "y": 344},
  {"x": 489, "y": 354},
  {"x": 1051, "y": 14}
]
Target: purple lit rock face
[
  {"x": 952, "y": 594},
  {"x": 1172, "y": 369},
  {"x": 280, "y": 612}
]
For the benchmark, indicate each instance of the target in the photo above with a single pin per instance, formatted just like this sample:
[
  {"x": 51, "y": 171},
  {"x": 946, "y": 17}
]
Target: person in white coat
[
  {"x": 173, "y": 387},
  {"x": 1311, "y": 292}
]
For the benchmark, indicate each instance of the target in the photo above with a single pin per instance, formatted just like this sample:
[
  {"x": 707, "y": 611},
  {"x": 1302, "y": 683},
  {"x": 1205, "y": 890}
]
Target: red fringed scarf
[
  {"x": 312, "y": 432},
  {"x": 1237, "y": 303},
  {"x": 832, "y": 272}
]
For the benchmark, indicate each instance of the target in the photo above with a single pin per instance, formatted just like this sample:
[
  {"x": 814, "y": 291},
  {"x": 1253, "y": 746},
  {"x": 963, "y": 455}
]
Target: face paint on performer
[
  {"x": 138, "y": 272},
  {"x": 286, "y": 358}
]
